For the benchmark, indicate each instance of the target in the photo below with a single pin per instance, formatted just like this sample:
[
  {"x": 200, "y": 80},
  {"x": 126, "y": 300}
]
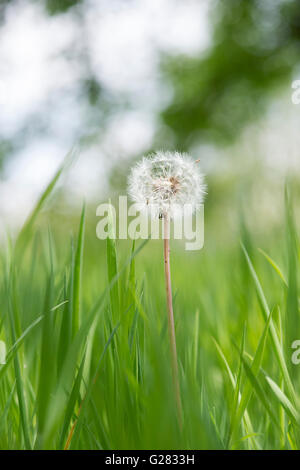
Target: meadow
[{"x": 87, "y": 362}]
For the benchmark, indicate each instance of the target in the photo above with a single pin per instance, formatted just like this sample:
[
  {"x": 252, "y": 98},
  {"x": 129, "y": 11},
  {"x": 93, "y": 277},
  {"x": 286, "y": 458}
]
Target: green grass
[{"x": 85, "y": 328}]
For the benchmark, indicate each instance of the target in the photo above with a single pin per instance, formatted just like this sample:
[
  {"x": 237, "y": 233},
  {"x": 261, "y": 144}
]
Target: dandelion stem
[{"x": 171, "y": 324}]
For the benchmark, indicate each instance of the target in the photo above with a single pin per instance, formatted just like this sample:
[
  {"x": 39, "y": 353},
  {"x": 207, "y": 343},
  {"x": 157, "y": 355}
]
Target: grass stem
[{"x": 171, "y": 324}]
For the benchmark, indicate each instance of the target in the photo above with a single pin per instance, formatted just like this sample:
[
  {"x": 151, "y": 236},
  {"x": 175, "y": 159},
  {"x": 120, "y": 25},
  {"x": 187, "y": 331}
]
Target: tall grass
[{"x": 85, "y": 328}]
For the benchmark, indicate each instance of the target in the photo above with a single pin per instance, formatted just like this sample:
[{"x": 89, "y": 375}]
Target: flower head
[{"x": 167, "y": 183}]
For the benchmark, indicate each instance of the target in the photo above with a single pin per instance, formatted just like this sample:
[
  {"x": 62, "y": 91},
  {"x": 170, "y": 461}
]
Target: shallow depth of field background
[{"x": 116, "y": 79}]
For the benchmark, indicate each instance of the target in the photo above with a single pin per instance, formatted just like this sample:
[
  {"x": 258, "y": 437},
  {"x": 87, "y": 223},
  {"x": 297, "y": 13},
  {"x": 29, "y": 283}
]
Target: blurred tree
[
  {"x": 52, "y": 6},
  {"x": 5, "y": 148},
  {"x": 255, "y": 48},
  {"x": 60, "y": 6}
]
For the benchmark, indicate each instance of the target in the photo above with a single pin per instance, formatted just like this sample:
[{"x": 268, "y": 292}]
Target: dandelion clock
[{"x": 165, "y": 185}]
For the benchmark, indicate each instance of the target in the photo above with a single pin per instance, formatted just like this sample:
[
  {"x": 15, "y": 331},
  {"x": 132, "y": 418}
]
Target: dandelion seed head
[{"x": 167, "y": 183}]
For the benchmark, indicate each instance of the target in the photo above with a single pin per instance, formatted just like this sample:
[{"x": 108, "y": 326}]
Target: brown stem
[{"x": 171, "y": 324}]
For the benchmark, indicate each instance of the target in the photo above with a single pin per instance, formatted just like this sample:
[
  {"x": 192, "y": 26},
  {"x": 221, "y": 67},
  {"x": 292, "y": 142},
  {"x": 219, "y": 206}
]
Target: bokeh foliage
[{"x": 255, "y": 50}]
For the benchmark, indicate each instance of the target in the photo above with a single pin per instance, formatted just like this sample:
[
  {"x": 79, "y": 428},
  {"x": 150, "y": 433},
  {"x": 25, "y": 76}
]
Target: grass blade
[
  {"x": 255, "y": 367},
  {"x": 284, "y": 401},
  {"x": 44, "y": 197},
  {"x": 246, "y": 417},
  {"x": 274, "y": 266},
  {"x": 20, "y": 389},
  {"x": 112, "y": 269},
  {"x": 76, "y": 294},
  {"x": 75, "y": 395},
  {"x": 274, "y": 337},
  {"x": 260, "y": 393}
]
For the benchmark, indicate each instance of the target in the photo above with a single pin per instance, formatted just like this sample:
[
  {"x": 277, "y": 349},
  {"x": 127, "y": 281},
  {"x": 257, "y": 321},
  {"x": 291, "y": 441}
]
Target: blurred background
[
  {"x": 117, "y": 79},
  {"x": 120, "y": 78}
]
